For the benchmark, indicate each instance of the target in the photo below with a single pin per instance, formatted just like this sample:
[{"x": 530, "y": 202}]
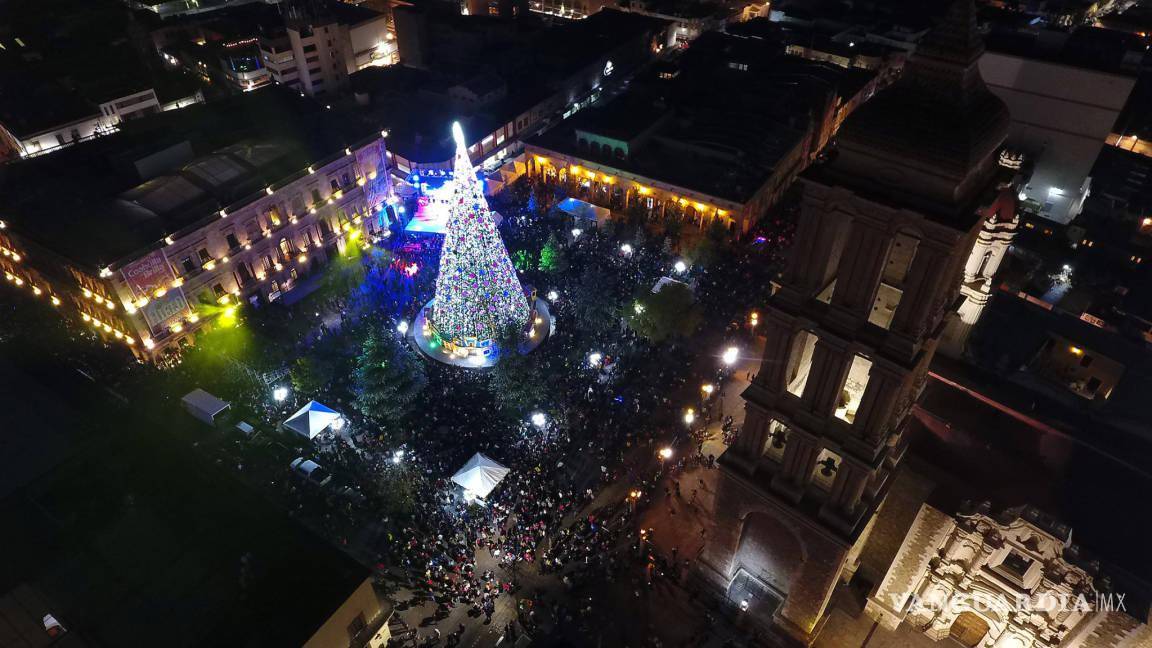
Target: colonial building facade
[
  {"x": 1013, "y": 580},
  {"x": 886, "y": 230},
  {"x": 253, "y": 250}
]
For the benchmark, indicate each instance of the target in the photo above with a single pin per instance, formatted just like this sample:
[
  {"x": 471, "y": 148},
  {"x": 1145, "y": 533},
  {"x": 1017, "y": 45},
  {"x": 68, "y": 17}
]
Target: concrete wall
[
  {"x": 363, "y": 603},
  {"x": 1061, "y": 116}
]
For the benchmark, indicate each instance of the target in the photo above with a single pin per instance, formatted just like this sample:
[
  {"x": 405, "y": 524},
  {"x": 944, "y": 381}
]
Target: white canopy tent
[
  {"x": 480, "y": 475},
  {"x": 312, "y": 419}
]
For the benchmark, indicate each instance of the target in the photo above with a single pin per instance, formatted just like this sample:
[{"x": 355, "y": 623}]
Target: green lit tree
[
  {"x": 669, "y": 314},
  {"x": 553, "y": 258},
  {"x": 523, "y": 260},
  {"x": 388, "y": 379}
]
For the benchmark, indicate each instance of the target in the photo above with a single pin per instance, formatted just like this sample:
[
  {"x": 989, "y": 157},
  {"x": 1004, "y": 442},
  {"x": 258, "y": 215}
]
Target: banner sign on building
[
  {"x": 144, "y": 278},
  {"x": 373, "y": 159}
]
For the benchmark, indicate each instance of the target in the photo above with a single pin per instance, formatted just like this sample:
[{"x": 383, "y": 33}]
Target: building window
[
  {"x": 218, "y": 290},
  {"x": 316, "y": 196},
  {"x": 204, "y": 256},
  {"x": 233, "y": 242},
  {"x": 776, "y": 441},
  {"x": 285, "y": 248},
  {"x": 853, "y": 390},
  {"x": 188, "y": 265},
  {"x": 800, "y": 362},
  {"x": 824, "y": 473},
  {"x": 891, "y": 289}
]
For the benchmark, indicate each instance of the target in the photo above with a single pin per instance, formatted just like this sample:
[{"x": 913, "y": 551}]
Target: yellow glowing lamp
[
  {"x": 148, "y": 343},
  {"x": 160, "y": 292}
]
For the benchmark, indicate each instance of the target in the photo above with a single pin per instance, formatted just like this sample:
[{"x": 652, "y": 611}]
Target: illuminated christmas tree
[{"x": 478, "y": 296}]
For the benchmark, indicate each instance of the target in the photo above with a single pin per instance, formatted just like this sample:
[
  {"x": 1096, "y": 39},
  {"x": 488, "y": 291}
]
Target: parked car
[{"x": 311, "y": 471}]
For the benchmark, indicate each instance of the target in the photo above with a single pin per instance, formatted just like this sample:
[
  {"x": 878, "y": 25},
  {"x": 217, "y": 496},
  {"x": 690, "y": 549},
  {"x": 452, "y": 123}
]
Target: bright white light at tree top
[
  {"x": 576, "y": 232},
  {"x": 690, "y": 416},
  {"x": 665, "y": 453},
  {"x": 538, "y": 419},
  {"x": 458, "y": 135},
  {"x": 553, "y": 295},
  {"x": 680, "y": 267},
  {"x": 707, "y": 388},
  {"x": 594, "y": 359},
  {"x": 397, "y": 456},
  {"x": 731, "y": 355},
  {"x": 402, "y": 327},
  {"x": 279, "y": 394},
  {"x": 338, "y": 424},
  {"x": 626, "y": 249}
]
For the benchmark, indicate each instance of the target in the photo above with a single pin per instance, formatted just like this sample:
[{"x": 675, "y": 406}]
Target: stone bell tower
[{"x": 886, "y": 227}]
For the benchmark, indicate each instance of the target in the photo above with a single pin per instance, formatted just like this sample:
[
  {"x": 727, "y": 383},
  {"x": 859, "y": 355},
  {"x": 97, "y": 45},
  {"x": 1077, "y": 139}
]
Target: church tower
[{"x": 886, "y": 229}]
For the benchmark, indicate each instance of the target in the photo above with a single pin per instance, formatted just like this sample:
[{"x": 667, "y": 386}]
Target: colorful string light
[{"x": 477, "y": 292}]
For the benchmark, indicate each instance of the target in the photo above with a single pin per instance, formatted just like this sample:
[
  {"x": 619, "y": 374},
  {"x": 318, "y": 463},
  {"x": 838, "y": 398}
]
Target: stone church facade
[{"x": 1014, "y": 580}]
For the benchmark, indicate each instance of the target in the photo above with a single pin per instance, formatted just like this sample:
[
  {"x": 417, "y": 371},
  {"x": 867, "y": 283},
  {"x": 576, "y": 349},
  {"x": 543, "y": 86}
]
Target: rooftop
[
  {"x": 1103, "y": 50},
  {"x": 100, "y": 201},
  {"x": 413, "y": 104},
  {"x": 716, "y": 128},
  {"x": 61, "y": 73}
]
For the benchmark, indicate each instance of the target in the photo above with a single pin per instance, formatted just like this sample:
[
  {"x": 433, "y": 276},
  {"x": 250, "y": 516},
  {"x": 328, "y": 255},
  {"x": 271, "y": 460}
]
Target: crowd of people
[{"x": 538, "y": 540}]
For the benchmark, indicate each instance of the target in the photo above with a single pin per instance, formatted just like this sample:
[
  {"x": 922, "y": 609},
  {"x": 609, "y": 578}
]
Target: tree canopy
[
  {"x": 388, "y": 378},
  {"x": 668, "y": 314}
]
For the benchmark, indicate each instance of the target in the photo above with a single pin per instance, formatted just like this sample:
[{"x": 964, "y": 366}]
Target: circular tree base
[{"x": 430, "y": 346}]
